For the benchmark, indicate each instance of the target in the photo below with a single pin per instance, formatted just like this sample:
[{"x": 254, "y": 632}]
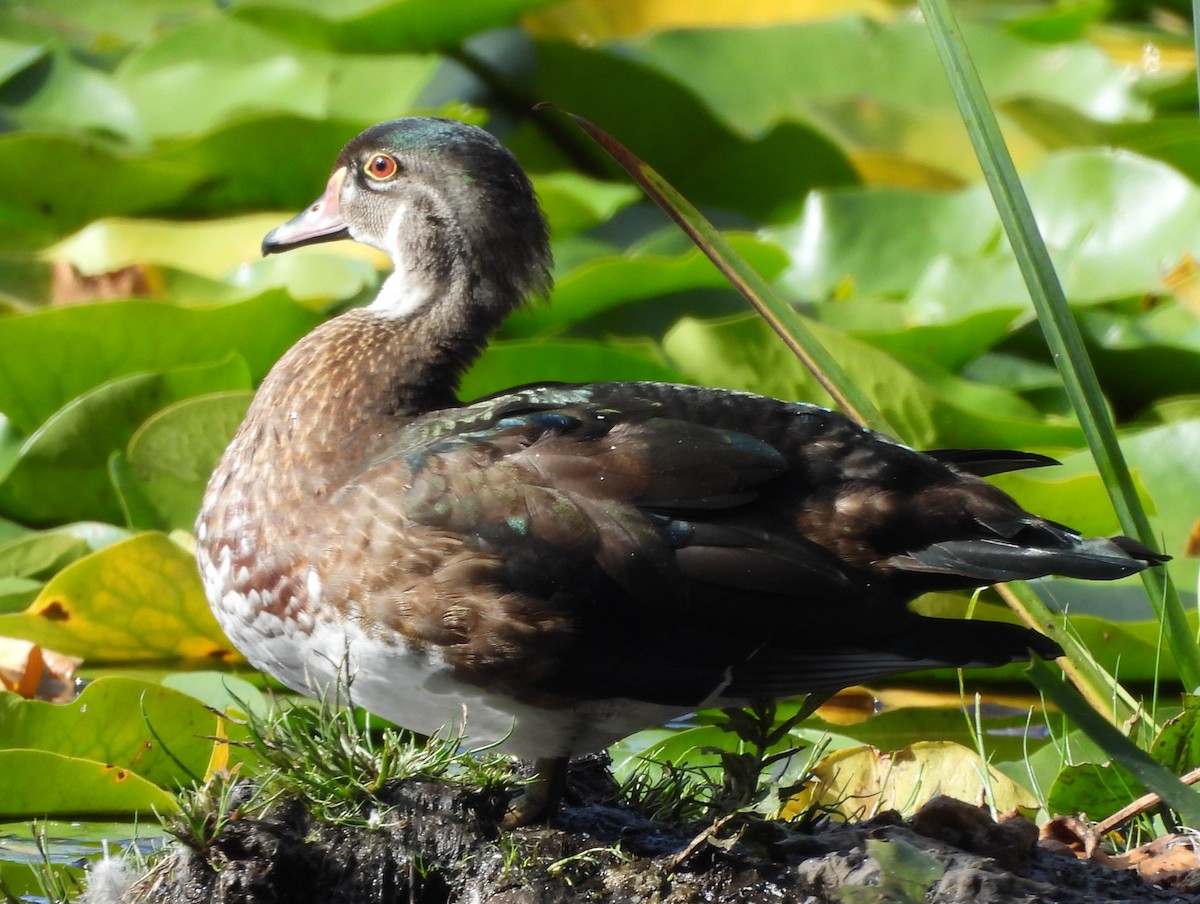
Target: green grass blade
[
  {"x": 1097, "y": 685},
  {"x": 1181, "y": 798},
  {"x": 1058, "y": 324},
  {"x": 1196, "y": 37},
  {"x": 790, "y": 326}
]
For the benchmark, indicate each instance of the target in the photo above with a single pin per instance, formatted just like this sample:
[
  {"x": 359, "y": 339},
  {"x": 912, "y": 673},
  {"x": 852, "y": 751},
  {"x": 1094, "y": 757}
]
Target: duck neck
[{"x": 364, "y": 368}]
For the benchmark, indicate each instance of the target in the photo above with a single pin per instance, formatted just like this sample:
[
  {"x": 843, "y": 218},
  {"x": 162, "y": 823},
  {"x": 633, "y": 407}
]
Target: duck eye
[{"x": 382, "y": 166}]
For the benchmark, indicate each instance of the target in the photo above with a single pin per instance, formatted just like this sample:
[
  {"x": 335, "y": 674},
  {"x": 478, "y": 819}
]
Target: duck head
[{"x": 446, "y": 202}]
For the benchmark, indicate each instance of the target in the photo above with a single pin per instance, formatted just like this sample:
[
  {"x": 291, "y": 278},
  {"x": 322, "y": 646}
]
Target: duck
[{"x": 551, "y": 568}]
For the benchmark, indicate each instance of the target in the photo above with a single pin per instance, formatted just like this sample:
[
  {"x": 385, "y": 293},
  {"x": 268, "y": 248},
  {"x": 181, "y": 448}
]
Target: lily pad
[
  {"x": 136, "y": 601},
  {"x": 609, "y": 282},
  {"x": 508, "y": 364},
  {"x": 764, "y": 177},
  {"x": 220, "y": 691},
  {"x": 573, "y": 202},
  {"x": 894, "y": 64},
  {"x": 92, "y": 180},
  {"x": 64, "y": 94},
  {"x": 40, "y": 554},
  {"x": 174, "y": 452},
  {"x": 384, "y": 26},
  {"x": 48, "y": 358},
  {"x": 229, "y": 68},
  {"x": 42, "y": 783},
  {"x": 1110, "y": 219},
  {"x": 163, "y": 735},
  {"x": 862, "y": 781},
  {"x": 1094, "y": 790},
  {"x": 743, "y": 353},
  {"x": 60, "y": 473}
]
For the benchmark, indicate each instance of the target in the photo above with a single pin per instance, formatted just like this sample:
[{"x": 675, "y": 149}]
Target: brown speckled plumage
[{"x": 565, "y": 564}]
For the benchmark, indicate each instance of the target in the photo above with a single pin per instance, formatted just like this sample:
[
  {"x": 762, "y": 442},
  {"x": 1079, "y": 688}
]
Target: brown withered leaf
[
  {"x": 1171, "y": 861},
  {"x": 37, "y": 673},
  {"x": 70, "y": 286},
  {"x": 1070, "y": 835}
]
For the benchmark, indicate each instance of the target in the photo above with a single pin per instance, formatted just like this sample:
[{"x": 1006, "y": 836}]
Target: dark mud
[{"x": 438, "y": 843}]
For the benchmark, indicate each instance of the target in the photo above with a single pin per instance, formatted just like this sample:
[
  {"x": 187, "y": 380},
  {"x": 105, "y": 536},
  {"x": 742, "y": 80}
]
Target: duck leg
[{"x": 535, "y": 800}]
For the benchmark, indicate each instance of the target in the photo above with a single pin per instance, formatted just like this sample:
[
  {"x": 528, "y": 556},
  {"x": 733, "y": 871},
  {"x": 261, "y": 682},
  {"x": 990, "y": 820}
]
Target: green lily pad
[
  {"x": 163, "y": 735},
  {"x": 609, "y": 282},
  {"x": 40, "y": 554},
  {"x": 212, "y": 248},
  {"x": 1174, "y": 141},
  {"x": 384, "y": 26},
  {"x": 92, "y": 180},
  {"x": 60, "y": 473},
  {"x": 1092, "y": 789},
  {"x": 894, "y": 64},
  {"x": 174, "y": 452},
  {"x": 39, "y": 783},
  {"x": 743, "y": 353},
  {"x": 508, "y": 364},
  {"x": 220, "y": 691},
  {"x": 1178, "y": 744},
  {"x": 1141, "y": 358},
  {"x": 17, "y": 593},
  {"x": 16, "y": 56},
  {"x": 71, "y": 96},
  {"x": 114, "y": 24},
  {"x": 49, "y": 357},
  {"x": 764, "y": 177},
  {"x": 229, "y": 68},
  {"x": 1111, "y": 220},
  {"x": 573, "y": 202}
]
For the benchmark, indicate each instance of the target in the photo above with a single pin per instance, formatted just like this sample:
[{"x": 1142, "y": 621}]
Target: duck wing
[{"x": 680, "y": 543}]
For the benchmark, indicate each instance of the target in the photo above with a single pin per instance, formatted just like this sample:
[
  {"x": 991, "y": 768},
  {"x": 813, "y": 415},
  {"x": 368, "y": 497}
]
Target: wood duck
[{"x": 554, "y": 567}]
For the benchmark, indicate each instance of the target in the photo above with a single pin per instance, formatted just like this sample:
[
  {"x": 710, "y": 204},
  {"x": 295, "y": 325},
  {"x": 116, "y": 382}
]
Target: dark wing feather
[
  {"x": 992, "y": 561},
  {"x": 986, "y": 462},
  {"x": 781, "y": 669}
]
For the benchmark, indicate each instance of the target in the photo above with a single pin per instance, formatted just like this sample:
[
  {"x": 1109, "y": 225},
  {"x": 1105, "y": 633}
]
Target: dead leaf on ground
[
  {"x": 1167, "y": 860},
  {"x": 1072, "y": 835},
  {"x": 1171, "y": 861},
  {"x": 36, "y": 673}
]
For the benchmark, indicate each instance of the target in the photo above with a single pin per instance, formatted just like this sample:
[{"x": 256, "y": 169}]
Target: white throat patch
[
  {"x": 399, "y": 296},
  {"x": 401, "y": 293}
]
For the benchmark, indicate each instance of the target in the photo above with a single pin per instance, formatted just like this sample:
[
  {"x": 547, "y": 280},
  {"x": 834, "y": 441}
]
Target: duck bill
[{"x": 321, "y": 222}]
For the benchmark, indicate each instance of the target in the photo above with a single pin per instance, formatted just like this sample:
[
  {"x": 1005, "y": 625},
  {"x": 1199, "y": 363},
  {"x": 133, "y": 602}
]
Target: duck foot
[{"x": 536, "y": 799}]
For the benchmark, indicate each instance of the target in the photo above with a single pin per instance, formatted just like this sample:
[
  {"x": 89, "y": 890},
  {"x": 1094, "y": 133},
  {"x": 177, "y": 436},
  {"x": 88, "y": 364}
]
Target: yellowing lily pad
[
  {"x": 138, "y": 600},
  {"x": 859, "y": 782}
]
